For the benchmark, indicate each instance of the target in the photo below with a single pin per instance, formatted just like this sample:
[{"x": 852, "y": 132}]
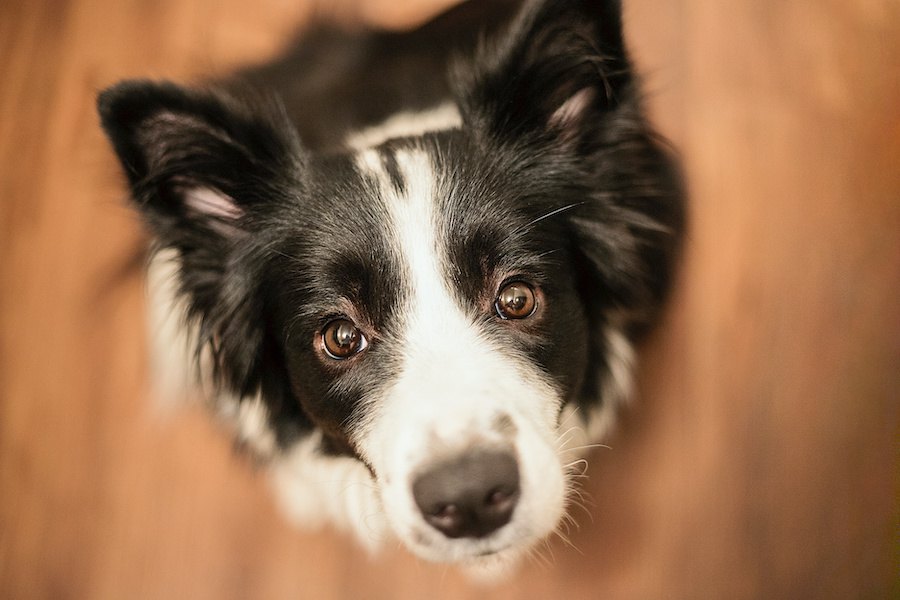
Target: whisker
[
  {"x": 536, "y": 556},
  {"x": 567, "y": 541},
  {"x": 569, "y": 522},
  {"x": 574, "y": 464},
  {"x": 557, "y": 211},
  {"x": 549, "y": 252},
  {"x": 578, "y": 500},
  {"x": 549, "y": 549},
  {"x": 575, "y": 410},
  {"x": 589, "y": 446},
  {"x": 565, "y": 437}
]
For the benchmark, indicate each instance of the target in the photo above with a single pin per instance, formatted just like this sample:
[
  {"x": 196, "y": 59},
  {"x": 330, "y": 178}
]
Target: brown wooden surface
[{"x": 760, "y": 460}]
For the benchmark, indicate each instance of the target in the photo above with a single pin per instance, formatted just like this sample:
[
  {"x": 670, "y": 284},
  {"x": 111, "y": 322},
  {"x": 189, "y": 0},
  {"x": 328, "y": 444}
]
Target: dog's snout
[{"x": 469, "y": 496}]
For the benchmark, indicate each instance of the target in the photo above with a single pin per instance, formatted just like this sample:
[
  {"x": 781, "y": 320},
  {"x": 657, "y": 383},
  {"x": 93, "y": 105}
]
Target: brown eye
[
  {"x": 515, "y": 301},
  {"x": 342, "y": 339}
]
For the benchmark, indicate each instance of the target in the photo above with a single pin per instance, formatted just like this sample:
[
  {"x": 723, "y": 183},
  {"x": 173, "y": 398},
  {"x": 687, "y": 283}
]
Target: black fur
[{"x": 580, "y": 197}]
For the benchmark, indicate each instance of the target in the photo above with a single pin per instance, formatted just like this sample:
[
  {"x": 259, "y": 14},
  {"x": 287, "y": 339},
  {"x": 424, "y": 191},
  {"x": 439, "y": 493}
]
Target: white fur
[
  {"x": 249, "y": 418},
  {"x": 616, "y": 387},
  {"x": 454, "y": 383},
  {"x": 171, "y": 346},
  {"x": 407, "y": 124},
  {"x": 314, "y": 490}
]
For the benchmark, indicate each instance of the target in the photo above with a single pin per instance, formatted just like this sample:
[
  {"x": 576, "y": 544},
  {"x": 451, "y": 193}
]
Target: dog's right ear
[
  {"x": 206, "y": 171},
  {"x": 197, "y": 159}
]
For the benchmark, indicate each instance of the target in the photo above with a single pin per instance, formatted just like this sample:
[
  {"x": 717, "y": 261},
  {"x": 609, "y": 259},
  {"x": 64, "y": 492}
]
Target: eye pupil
[
  {"x": 342, "y": 339},
  {"x": 516, "y": 301}
]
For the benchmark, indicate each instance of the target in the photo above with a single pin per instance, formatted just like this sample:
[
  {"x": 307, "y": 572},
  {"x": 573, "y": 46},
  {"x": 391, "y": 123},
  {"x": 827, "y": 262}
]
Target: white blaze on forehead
[
  {"x": 407, "y": 124},
  {"x": 413, "y": 219},
  {"x": 415, "y": 224}
]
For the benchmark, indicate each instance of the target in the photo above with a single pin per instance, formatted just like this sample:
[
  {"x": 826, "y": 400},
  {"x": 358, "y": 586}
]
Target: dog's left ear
[
  {"x": 557, "y": 87},
  {"x": 561, "y": 64}
]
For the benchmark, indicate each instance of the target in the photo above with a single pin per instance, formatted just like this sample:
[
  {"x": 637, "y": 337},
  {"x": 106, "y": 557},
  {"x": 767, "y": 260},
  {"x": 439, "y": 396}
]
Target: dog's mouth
[
  {"x": 469, "y": 550},
  {"x": 491, "y": 552}
]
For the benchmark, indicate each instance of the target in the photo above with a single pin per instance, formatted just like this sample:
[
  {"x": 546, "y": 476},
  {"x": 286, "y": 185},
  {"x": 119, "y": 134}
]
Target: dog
[{"x": 411, "y": 267}]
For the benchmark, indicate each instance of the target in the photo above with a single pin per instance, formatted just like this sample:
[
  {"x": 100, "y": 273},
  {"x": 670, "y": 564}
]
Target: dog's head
[{"x": 431, "y": 304}]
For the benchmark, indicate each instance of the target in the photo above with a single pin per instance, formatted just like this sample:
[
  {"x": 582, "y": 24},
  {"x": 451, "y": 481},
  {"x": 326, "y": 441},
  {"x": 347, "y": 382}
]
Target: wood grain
[{"x": 759, "y": 461}]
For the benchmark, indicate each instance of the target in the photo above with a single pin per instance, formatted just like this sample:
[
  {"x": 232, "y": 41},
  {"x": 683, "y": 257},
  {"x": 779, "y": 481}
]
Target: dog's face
[
  {"x": 438, "y": 333},
  {"x": 432, "y": 303}
]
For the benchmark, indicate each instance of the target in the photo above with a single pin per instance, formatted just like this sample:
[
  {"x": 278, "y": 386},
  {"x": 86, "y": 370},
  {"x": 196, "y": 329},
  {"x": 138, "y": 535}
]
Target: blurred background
[{"x": 759, "y": 460}]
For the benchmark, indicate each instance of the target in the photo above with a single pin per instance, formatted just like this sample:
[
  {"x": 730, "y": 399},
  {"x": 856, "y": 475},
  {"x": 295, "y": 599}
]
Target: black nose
[{"x": 469, "y": 496}]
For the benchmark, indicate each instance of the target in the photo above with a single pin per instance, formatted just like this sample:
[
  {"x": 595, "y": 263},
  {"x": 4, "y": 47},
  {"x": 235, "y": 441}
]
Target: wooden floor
[{"x": 760, "y": 460}]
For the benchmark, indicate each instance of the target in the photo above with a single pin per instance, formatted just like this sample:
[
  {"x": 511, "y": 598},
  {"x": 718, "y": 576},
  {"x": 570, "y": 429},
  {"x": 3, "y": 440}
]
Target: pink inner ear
[
  {"x": 568, "y": 116},
  {"x": 211, "y": 203}
]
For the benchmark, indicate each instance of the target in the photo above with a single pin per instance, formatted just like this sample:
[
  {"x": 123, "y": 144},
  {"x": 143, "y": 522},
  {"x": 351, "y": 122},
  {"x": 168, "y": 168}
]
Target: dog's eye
[
  {"x": 515, "y": 301},
  {"x": 342, "y": 339}
]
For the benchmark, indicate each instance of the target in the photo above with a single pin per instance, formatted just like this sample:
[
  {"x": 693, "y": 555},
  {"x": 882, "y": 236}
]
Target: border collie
[{"x": 411, "y": 267}]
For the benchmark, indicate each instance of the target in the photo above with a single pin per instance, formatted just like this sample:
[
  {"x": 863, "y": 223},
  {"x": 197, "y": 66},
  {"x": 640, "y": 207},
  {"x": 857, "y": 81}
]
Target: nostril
[
  {"x": 500, "y": 500},
  {"x": 470, "y": 496},
  {"x": 445, "y": 517}
]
